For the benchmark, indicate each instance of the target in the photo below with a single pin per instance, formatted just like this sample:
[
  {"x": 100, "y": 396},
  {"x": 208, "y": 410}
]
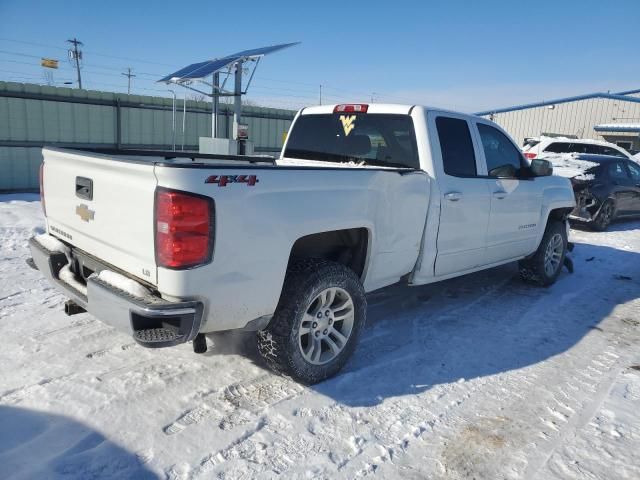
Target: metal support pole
[
  {"x": 118, "y": 124},
  {"x": 237, "y": 104},
  {"x": 77, "y": 55},
  {"x": 173, "y": 121},
  {"x": 215, "y": 94},
  {"x": 184, "y": 118}
]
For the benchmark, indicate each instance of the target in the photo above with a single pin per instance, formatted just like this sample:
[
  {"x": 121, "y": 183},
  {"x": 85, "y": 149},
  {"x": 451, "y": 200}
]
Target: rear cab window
[
  {"x": 458, "y": 157},
  {"x": 364, "y": 138}
]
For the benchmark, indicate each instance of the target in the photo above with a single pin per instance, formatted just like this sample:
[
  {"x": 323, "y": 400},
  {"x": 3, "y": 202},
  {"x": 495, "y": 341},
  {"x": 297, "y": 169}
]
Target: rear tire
[
  {"x": 544, "y": 267},
  {"x": 605, "y": 216},
  {"x": 317, "y": 323}
]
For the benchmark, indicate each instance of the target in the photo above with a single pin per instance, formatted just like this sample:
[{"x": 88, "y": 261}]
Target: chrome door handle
[
  {"x": 453, "y": 196},
  {"x": 500, "y": 194}
]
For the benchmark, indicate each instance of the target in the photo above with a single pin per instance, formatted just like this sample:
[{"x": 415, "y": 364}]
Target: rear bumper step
[{"x": 152, "y": 322}]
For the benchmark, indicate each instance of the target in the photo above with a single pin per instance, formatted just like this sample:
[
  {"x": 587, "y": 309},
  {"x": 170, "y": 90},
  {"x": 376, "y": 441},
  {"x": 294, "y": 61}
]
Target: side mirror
[{"x": 541, "y": 168}]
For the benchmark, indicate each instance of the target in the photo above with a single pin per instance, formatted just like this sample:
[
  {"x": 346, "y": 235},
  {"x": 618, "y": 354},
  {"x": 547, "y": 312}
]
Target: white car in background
[{"x": 541, "y": 147}]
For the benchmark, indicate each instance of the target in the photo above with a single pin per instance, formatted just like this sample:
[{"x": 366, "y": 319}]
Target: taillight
[
  {"x": 530, "y": 156},
  {"x": 44, "y": 207},
  {"x": 184, "y": 229},
  {"x": 351, "y": 107}
]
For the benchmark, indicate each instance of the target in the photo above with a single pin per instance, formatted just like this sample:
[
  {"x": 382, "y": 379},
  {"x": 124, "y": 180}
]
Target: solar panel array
[{"x": 203, "y": 69}]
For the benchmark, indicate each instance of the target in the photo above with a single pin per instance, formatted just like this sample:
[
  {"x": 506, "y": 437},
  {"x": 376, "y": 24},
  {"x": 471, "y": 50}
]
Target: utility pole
[
  {"x": 321, "y": 94},
  {"x": 128, "y": 75},
  {"x": 76, "y": 55}
]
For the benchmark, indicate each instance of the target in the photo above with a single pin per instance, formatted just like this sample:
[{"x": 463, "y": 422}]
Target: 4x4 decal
[{"x": 223, "y": 180}]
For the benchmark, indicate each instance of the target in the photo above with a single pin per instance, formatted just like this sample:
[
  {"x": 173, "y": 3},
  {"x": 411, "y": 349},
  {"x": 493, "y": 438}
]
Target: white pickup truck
[{"x": 170, "y": 246}]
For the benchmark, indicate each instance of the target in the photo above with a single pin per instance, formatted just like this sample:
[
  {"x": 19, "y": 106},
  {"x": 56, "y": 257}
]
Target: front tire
[
  {"x": 317, "y": 323},
  {"x": 544, "y": 267}
]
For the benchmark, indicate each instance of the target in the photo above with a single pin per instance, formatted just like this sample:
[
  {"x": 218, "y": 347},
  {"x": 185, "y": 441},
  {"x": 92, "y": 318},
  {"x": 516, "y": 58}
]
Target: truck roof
[
  {"x": 372, "y": 108},
  {"x": 392, "y": 108}
]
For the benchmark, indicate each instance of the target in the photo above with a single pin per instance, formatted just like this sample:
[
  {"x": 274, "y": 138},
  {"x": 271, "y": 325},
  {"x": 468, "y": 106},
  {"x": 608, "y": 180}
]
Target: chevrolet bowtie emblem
[{"x": 84, "y": 213}]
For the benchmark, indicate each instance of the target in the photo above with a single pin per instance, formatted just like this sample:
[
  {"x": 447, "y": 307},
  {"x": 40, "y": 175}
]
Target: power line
[{"x": 91, "y": 52}]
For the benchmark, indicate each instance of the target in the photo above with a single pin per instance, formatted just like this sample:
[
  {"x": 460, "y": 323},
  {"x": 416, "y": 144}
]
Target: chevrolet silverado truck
[{"x": 169, "y": 246}]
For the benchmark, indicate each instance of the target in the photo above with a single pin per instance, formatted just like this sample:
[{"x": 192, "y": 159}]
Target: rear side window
[
  {"x": 558, "y": 147},
  {"x": 584, "y": 148},
  {"x": 458, "y": 157},
  {"x": 617, "y": 170},
  {"x": 613, "y": 152},
  {"x": 635, "y": 171},
  {"x": 503, "y": 158},
  {"x": 385, "y": 138}
]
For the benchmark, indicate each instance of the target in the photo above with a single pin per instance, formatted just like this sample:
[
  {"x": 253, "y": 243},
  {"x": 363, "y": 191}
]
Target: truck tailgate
[{"x": 103, "y": 206}]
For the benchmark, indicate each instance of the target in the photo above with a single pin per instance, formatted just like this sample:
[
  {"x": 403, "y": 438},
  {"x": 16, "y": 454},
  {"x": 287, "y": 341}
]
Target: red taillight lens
[
  {"x": 184, "y": 229},
  {"x": 44, "y": 207},
  {"x": 351, "y": 107},
  {"x": 530, "y": 156}
]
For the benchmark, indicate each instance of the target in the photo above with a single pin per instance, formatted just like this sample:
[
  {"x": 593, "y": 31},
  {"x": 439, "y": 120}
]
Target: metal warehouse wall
[
  {"x": 572, "y": 118},
  {"x": 34, "y": 115}
]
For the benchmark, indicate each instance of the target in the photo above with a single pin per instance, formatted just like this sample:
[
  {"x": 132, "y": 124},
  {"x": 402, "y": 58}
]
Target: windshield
[{"x": 383, "y": 139}]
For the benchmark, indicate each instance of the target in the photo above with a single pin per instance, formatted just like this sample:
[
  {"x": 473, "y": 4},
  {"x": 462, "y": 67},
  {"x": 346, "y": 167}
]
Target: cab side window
[
  {"x": 458, "y": 157},
  {"x": 503, "y": 158}
]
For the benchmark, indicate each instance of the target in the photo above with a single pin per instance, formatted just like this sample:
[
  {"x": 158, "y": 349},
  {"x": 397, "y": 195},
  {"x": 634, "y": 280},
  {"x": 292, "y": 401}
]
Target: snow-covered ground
[{"x": 479, "y": 377}]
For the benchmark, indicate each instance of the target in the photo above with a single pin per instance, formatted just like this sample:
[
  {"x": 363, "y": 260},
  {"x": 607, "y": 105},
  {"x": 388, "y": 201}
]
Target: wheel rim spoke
[
  {"x": 553, "y": 254},
  {"x": 340, "y": 338},
  {"x": 325, "y": 328},
  {"x": 332, "y": 345}
]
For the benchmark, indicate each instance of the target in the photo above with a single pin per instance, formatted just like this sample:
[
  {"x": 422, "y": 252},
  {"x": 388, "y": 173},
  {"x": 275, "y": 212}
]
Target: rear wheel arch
[{"x": 350, "y": 247}]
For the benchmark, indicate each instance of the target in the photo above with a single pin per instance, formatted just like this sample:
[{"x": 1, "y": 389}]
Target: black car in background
[{"x": 606, "y": 187}]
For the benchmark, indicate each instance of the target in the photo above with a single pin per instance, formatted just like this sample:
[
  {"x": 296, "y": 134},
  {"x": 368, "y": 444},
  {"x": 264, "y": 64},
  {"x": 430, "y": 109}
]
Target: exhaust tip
[
  {"x": 72, "y": 308},
  {"x": 200, "y": 343}
]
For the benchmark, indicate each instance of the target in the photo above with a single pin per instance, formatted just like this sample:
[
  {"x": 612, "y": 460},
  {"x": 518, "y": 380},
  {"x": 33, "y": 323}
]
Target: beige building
[{"x": 614, "y": 117}]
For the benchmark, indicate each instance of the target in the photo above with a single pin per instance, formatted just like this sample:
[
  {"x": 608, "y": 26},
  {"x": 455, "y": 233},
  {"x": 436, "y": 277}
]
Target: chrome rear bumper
[{"x": 179, "y": 321}]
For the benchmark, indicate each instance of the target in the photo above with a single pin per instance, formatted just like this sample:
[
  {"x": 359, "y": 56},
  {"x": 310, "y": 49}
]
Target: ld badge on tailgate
[{"x": 84, "y": 213}]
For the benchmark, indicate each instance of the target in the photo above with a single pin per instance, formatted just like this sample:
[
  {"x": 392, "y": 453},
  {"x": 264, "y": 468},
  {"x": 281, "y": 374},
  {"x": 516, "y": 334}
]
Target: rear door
[
  {"x": 623, "y": 187},
  {"x": 463, "y": 195},
  {"x": 103, "y": 206}
]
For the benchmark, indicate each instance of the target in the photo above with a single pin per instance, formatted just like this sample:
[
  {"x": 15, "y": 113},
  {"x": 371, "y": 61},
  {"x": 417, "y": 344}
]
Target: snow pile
[
  {"x": 68, "y": 277},
  {"x": 569, "y": 165},
  {"x": 551, "y": 389},
  {"x": 123, "y": 283},
  {"x": 51, "y": 243}
]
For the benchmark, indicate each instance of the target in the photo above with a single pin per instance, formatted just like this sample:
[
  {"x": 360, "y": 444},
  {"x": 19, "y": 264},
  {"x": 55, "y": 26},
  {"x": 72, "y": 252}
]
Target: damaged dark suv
[{"x": 606, "y": 187}]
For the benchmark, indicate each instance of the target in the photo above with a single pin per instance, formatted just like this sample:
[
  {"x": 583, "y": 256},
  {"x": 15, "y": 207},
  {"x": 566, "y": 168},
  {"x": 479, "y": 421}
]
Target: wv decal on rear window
[{"x": 348, "y": 123}]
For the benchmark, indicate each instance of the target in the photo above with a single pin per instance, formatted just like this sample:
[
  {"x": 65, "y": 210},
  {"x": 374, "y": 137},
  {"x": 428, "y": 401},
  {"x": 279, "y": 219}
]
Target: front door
[{"x": 515, "y": 198}]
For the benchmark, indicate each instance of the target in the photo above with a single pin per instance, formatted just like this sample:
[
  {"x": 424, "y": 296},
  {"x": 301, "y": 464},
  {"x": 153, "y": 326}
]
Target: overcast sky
[{"x": 465, "y": 55}]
